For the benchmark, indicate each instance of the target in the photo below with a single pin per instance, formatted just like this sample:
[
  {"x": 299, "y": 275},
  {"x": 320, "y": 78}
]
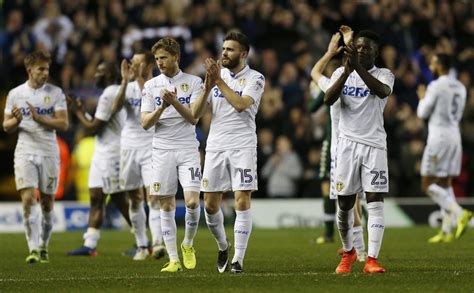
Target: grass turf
[{"x": 276, "y": 261}]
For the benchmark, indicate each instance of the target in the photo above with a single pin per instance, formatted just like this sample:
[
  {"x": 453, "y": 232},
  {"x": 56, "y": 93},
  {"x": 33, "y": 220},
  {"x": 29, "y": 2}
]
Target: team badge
[
  {"x": 205, "y": 183},
  {"x": 339, "y": 186},
  {"x": 184, "y": 87},
  {"x": 47, "y": 99},
  {"x": 156, "y": 186},
  {"x": 241, "y": 81}
]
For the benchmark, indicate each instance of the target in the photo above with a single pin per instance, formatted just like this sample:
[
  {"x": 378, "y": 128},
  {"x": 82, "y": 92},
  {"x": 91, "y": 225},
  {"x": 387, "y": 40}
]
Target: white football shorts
[
  {"x": 33, "y": 171},
  {"x": 170, "y": 166},
  {"x": 360, "y": 167},
  {"x": 104, "y": 173},
  {"x": 135, "y": 168},
  {"x": 441, "y": 159},
  {"x": 230, "y": 170}
]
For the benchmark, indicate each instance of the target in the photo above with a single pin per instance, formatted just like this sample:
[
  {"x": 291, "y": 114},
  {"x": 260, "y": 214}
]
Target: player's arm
[
  {"x": 333, "y": 50},
  {"x": 185, "y": 112},
  {"x": 91, "y": 125},
  {"x": 198, "y": 108},
  {"x": 317, "y": 98},
  {"x": 240, "y": 103},
  {"x": 375, "y": 86},
  {"x": 427, "y": 101},
  {"x": 149, "y": 119},
  {"x": 119, "y": 100},
  {"x": 59, "y": 121},
  {"x": 11, "y": 122},
  {"x": 334, "y": 91}
]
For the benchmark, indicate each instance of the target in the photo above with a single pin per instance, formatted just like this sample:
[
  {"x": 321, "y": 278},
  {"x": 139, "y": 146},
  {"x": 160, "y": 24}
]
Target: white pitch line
[{"x": 161, "y": 276}]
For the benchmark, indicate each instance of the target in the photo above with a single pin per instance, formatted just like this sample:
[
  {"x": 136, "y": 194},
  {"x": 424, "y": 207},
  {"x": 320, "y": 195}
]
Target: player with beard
[
  {"x": 234, "y": 93},
  {"x": 443, "y": 105},
  {"x": 36, "y": 109},
  {"x": 361, "y": 159},
  {"x": 104, "y": 170}
]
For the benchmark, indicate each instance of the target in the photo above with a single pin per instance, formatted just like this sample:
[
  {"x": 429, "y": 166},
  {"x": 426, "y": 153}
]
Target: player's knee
[
  {"x": 47, "y": 203},
  {"x": 192, "y": 203},
  {"x": 97, "y": 200},
  {"x": 154, "y": 202},
  {"x": 374, "y": 196},
  {"x": 346, "y": 202}
]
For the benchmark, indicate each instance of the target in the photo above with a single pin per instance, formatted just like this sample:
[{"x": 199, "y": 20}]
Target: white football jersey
[
  {"x": 33, "y": 138},
  {"x": 443, "y": 105},
  {"x": 231, "y": 130},
  {"x": 133, "y": 134},
  {"x": 172, "y": 131},
  {"x": 361, "y": 118},
  {"x": 107, "y": 140},
  {"x": 324, "y": 84}
]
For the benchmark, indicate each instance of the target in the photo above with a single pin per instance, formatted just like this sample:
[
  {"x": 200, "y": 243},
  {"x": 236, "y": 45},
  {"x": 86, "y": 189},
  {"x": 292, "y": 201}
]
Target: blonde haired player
[
  {"x": 166, "y": 105},
  {"x": 36, "y": 109}
]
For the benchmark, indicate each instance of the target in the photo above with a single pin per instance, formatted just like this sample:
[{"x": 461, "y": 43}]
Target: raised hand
[
  {"x": 73, "y": 103},
  {"x": 125, "y": 70},
  {"x": 347, "y": 65},
  {"x": 350, "y": 53},
  {"x": 34, "y": 115},
  {"x": 420, "y": 91},
  {"x": 333, "y": 47},
  {"x": 347, "y": 34},
  {"x": 17, "y": 114},
  {"x": 168, "y": 96},
  {"x": 213, "y": 70}
]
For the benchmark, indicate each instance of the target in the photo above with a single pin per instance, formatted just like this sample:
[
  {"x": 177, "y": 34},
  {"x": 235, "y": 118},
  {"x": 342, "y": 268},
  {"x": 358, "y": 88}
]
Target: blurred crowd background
[{"x": 288, "y": 37}]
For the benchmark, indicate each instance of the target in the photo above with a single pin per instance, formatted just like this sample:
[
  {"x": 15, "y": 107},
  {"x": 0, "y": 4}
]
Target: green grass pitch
[{"x": 285, "y": 260}]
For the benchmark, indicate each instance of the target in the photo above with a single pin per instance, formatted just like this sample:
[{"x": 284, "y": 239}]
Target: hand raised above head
[{"x": 347, "y": 34}]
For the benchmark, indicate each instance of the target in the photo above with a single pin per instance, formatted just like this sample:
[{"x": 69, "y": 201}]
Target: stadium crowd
[{"x": 289, "y": 36}]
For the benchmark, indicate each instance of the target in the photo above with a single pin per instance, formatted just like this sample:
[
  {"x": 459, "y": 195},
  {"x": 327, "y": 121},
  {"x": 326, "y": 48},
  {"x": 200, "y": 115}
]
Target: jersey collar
[
  {"x": 174, "y": 78},
  {"x": 240, "y": 73}
]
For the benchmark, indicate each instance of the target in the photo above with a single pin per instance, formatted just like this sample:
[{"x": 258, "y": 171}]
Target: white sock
[
  {"x": 345, "y": 224},
  {"x": 215, "y": 223},
  {"x": 46, "y": 228},
  {"x": 359, "y": 243},
  {"x": 456, "y": 209},
  {"x": 168, "y": 228},
  {"x": 375, "y": 227},
  {"x": 446, "y": 224},
  {"x": 192, "y": 223},
  {"x": 242, "y": 231},
  {"x": 91, "y": 237},
  {"x": 443, "y": 198},
  {"x": 32, "y": 228},
  {"x": 154, "y": 221},
  {"x": 138, "y": 219}
]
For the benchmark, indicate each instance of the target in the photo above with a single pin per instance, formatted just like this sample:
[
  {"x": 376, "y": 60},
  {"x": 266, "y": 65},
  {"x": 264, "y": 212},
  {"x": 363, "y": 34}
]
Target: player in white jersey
[
  {"x": 328, "y": 152},
  {"x": 36, "y": 109},
  {"x": 443, "y": 105},
  {"x": 166, "y": 105},
  {"x": 361, "y": 160},
  {"x": 135, "y": 154},
  {"x": 234, "y": 94},
  {"x": 104, "y": 170}
]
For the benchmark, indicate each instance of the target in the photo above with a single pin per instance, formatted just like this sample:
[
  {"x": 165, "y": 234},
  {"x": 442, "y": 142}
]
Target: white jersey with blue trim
[
  {"x": 172, "y": 131},
  {"x": 34, "y": 138},
  {"x": 231, "y": 130},
  {"x": 361, "y": 117},
  {"x": 133, "y": 134},
  {"x": 443, "y": 105},
  {"x": 107, "y": 140}
]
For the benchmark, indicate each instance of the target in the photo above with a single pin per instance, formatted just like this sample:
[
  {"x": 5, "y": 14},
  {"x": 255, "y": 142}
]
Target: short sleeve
[
  {"x": 9, "y": 104},
  {"x": 61, "y": 104},
  {"x": 148, "y": 103},
  {"x": 104, "y": 107},
  {"x": 386, "y": 77},
  {"x": 254, "y": 88},
  {"x": 324, "y": 83},
  {"x": 197, "y": 89}
]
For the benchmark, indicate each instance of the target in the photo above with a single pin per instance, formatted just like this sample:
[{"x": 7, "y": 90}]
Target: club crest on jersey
[
  {"x": 47, "y": 99},
  {"x": 339, "y": 186},
  {"x": 184, "y": 87},
  {"x": 242, "y": 81},
  {"x": 156, "y": 186},
  {"x": 205, "y": 183}
]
